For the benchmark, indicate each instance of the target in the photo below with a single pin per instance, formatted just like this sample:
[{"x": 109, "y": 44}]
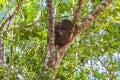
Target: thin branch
[
  {"x": 10, "y": 63},
  {"x": 1, "y": 53},
  {"x": 104, "y": 66},
  {"x": 77, "y": 12},
  {"x": 8, "y": 14},
  {"x": 12, "y": 15},
  {"x": 101, "y": 63},
  {"x": 89, "y": 19},
  {"x": 40, "y": 13}
]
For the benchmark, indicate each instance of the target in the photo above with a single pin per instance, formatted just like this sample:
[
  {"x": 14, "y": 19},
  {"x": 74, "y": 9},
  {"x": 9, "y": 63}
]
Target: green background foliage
[{"x": 94, "y": 55}]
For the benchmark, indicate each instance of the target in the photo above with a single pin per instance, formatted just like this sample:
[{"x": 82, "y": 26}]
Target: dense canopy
[{"x": 94, "y": 55}]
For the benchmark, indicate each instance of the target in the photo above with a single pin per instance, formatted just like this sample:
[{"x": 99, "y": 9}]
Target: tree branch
[
  {"x": 82, "y": 27},
  {"x": 77, "y": 12},
  {"x": 105, "y": 66}
]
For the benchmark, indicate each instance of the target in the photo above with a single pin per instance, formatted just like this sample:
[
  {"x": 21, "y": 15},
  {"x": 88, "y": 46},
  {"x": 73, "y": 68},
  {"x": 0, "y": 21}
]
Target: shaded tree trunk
[{"x": 50, "y": 51}]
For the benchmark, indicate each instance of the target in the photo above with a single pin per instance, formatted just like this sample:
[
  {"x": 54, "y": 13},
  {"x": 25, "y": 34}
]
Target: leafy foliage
[{"x": 94, "y": 55}]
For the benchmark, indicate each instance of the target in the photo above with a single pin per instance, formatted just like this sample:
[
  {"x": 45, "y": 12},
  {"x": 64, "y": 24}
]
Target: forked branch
[{"x": 82, "y": 27}]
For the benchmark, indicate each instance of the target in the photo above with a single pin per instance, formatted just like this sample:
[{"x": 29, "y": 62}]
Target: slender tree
[{"x": 50, "y": 56}]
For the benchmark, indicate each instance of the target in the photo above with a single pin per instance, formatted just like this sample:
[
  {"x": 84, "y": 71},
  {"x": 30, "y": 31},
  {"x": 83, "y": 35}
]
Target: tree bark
[
  {"x": 50, "y": 51},
  {"x": 77, "y": 12}
]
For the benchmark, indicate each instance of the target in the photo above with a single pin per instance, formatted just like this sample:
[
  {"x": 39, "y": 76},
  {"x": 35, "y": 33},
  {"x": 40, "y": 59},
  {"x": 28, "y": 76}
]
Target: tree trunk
[{"x": 50, "y": 51}]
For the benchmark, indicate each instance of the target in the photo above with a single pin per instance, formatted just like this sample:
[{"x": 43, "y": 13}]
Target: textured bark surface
[{"x": 50, "y": 51}]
